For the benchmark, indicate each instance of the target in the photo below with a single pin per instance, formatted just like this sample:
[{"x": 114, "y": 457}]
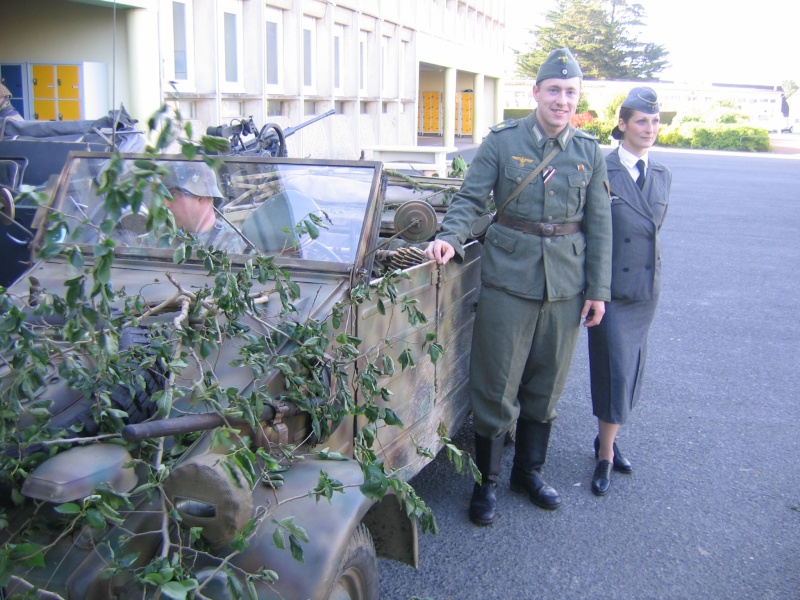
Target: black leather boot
[
  {"x": 488, "y": 455},
  {"x": 529, "y": 457}
]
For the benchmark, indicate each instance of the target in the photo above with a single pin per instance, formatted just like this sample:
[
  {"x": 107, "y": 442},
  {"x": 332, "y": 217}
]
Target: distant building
[{"x": 764, "y": 105}]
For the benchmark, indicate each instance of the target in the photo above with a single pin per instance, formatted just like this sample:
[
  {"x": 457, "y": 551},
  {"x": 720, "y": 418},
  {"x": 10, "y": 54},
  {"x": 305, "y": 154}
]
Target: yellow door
[
  {"x": 44, "y": 81},
  {"x": 69, "y": 82},
  {"x": 431, "y": 112},
  {"x": 44, "y": 110},
  {"x": 464, "y": 112},
  {"x": 69, "y": 110}
]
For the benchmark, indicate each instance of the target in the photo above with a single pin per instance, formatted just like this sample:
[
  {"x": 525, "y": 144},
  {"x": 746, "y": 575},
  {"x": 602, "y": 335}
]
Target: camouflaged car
[{"x": 371, "y": 227}]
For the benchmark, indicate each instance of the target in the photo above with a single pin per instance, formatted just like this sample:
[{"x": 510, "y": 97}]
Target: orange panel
[
  {"x": 69, "y": 110},
  {"x": 44, "y": 110},
  {"x": 44, "y": 82},
  {"x": 69, "y": 81}
]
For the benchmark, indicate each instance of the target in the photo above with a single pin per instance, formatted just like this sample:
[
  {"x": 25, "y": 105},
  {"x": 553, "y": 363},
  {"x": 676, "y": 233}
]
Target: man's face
[
  {"x": 187, "y": 209},
  {"x": 557, "y": 101}
]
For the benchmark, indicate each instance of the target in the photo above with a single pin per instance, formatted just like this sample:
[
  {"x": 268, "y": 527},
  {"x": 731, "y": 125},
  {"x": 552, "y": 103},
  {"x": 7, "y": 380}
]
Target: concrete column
[
  {"x": 144, "y": 64},
  {"x": 498, "y": 99},
  {"x": 449, "y": 125},
  {"x": 478, "y": 109}
]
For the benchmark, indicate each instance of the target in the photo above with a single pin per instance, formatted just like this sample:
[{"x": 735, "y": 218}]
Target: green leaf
[
  {"x": 70, "y": 508},
  {"x": 178, "y": 590}
]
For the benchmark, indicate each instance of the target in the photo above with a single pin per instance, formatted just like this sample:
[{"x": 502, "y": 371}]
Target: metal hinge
[{"x": 435, "y": 278}]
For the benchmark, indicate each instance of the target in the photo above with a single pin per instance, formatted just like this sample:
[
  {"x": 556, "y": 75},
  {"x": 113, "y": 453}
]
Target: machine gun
[{"x": 269, "y": 141}]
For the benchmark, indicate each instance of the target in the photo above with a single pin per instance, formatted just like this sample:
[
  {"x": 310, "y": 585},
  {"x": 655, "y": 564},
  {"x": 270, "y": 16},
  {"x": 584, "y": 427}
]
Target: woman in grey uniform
[{"x": 640, "y": 189}]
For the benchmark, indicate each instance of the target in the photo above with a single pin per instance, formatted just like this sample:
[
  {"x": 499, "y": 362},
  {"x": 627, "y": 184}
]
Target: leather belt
[{"x": 542, "y": 229}]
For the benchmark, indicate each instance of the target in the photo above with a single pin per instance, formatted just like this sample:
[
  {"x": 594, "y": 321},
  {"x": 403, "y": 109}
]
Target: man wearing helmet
[
  {"x": 7, "y": 110},
  {"x": 193, "y": 187}
]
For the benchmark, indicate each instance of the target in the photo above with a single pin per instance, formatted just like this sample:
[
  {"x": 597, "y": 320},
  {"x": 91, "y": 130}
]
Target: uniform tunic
[
  {"x": 618, "y": 345},
  {"x": 533, "y": 287}
]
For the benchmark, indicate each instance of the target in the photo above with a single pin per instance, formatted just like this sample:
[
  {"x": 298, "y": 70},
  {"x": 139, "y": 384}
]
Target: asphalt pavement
[{"x": 712, "y": 509}]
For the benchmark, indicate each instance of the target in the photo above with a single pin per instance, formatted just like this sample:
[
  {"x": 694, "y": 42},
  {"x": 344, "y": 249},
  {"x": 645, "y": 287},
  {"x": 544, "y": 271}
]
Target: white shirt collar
[{"x": 629, "y": 161}]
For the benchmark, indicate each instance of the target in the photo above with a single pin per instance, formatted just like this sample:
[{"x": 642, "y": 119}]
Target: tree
[{"x": 600, "y": 35}]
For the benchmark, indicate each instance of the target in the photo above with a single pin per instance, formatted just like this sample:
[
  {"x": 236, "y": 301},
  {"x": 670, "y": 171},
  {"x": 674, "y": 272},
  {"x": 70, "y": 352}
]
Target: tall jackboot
[
  {"x": 529, "y": 457},
  {"x": 488, "y": 455}
]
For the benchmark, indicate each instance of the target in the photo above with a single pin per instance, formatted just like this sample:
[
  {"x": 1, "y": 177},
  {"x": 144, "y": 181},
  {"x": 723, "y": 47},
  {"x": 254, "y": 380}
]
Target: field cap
[{"x": 560, "y": 64}]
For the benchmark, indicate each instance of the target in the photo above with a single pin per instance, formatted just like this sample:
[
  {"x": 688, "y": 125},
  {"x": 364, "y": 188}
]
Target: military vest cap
[{"x": 560, "y": 64}]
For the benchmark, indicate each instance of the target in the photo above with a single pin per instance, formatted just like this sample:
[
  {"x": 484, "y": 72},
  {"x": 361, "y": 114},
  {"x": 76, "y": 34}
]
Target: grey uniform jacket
[
  {"x": 637, "y": 216},
  {"x": 530, "y": 266}
]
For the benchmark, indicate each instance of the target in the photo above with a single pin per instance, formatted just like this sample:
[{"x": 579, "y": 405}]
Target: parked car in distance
[{"x": 375, "y": 226}]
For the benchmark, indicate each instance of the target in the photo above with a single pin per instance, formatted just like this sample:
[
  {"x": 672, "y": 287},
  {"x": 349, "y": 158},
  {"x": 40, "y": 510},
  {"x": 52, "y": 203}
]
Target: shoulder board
[
  {"x": 584, "y": 134},
  {"x": 507, "y": 124}
]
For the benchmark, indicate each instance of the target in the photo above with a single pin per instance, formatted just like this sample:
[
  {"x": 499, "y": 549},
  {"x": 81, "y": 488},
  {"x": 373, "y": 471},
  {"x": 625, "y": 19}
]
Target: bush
[
  {"x": 711, "y": 136},
  {"x": 599, "y": 129}
]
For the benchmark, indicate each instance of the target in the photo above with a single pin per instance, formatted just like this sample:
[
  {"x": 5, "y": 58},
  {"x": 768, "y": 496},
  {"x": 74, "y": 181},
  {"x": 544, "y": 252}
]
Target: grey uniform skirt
[{"x": 617, "y": 355}]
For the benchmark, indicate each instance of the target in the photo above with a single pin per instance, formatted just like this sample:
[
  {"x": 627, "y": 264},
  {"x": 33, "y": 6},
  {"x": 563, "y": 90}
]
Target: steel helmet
[{"x": 195, "y": 178}]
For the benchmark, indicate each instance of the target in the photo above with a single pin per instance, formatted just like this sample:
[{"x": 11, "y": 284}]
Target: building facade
[{"x": 375, "y": 62}]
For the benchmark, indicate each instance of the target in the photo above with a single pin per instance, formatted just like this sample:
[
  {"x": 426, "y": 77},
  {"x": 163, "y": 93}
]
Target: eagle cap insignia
[{"x": 522, "y": 161}]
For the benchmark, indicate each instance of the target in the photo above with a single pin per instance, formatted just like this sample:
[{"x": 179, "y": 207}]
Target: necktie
[{"x": 640, "y": 179}]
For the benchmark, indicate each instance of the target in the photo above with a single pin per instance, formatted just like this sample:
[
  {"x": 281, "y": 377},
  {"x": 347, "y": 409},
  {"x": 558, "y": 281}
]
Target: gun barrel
[{"x": 290, "y": 130}]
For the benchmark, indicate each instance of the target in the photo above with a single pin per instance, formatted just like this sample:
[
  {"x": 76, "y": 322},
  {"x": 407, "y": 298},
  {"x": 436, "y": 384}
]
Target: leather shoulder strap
[{"x": 532, "y": 175}]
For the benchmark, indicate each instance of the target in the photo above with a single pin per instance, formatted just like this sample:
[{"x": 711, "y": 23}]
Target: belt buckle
[{"x": 548, "y": 229}]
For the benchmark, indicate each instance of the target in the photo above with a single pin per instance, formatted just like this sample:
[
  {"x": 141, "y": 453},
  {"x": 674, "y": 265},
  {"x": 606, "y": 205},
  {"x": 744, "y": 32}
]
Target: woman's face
[{"x": 639, "y": 132}]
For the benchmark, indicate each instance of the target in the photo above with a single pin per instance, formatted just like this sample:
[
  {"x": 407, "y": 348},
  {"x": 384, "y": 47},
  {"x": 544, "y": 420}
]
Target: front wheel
[{"x": 357, "y": 575}]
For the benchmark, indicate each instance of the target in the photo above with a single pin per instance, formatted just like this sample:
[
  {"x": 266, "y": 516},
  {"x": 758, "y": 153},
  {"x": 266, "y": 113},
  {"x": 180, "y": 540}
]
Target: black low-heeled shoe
[
  {"x": 601, "y": 479},
  {"x": 621, "y": 464}
]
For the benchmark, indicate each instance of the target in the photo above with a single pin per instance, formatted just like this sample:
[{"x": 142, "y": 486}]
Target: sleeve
[
  {"x": 473, "y": 199},
  {"x": 597, "y": 229}
]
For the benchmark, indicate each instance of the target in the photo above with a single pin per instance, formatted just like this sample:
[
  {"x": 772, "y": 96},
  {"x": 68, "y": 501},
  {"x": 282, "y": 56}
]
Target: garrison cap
[
  {"x": 4, "y": 91},
  {"x": 560, "y": 64},
  {"x": 643, "y": 99}
]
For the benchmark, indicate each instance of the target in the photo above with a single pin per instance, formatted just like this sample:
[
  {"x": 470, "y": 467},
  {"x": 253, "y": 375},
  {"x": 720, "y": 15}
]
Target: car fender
[{"x": 329, "y": 525}]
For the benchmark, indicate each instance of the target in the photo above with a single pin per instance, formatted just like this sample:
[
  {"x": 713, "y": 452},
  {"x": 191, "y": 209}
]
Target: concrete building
[{"x": 384, "y": 66}]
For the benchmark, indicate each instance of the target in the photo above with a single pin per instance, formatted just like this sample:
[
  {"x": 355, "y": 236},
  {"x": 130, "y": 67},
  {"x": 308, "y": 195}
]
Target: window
[
  {"x": 179, "y": 37},
  {"x": 362, "y": 61},
  {"x": 309, "y": 54},
  {"x": 231, "y": 36},
  {"x": 179, "y": 72},
  {"x": 274, "y": 58},
  {"x": 338, "y": 56},
  {"x": 384, "y": 64},
  {"x": 231, "y": 62}
]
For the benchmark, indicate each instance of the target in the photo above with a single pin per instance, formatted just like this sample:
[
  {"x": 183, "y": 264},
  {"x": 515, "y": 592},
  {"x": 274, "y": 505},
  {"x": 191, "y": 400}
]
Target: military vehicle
[{"x": 332, "y": 232}]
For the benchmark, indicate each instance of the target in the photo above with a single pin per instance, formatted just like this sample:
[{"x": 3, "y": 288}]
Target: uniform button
[
  {"x": 647, "y": 268},
  {"x": 551, "y": 193},
  {"x": 583, "y": 184},
  {"x": 625, "y": 269},
  {"x": 518, "y": 180},
  {"x": 549, "y": 218},
  {"x": 547, "y": 240},
  {"x": 627, "y": 240}
]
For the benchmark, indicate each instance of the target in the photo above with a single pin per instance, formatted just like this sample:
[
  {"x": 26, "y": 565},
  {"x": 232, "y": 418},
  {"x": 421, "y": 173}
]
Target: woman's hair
[{"x": 625, "y": 114}]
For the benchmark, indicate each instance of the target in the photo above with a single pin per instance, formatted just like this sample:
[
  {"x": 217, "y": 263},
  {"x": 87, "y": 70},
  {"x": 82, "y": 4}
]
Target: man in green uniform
[{"x": 546, "y": 265}]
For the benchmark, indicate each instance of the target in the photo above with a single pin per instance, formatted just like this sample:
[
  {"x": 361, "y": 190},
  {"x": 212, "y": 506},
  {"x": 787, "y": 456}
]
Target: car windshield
[{"x": 301, "y": 209}]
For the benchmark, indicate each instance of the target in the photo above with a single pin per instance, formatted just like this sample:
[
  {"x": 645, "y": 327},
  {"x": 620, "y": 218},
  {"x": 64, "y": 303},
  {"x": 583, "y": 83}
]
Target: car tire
[{"x": 357, "y": 575}]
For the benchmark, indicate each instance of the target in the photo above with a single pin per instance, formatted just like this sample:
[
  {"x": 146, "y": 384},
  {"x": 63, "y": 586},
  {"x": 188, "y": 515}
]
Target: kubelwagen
[{"x": 264, "y": 497}]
